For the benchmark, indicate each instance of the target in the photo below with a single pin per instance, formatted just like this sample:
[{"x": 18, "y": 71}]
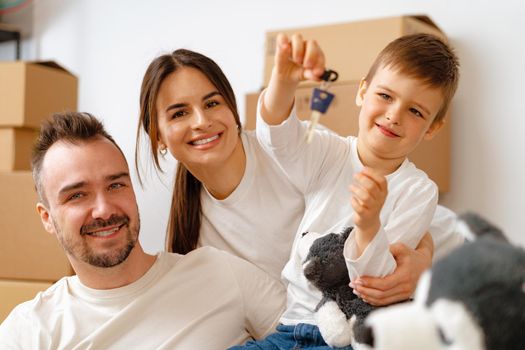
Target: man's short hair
[{"x": 72, "y": 127}]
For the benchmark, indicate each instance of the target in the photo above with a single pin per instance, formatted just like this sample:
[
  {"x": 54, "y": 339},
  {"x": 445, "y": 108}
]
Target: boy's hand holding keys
[{"x": 297, "y": 59}]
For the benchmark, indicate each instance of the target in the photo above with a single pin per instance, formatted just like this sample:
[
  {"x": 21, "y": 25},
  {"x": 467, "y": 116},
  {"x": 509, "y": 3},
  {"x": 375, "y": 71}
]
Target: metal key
[{"x": 320, "y": 102}]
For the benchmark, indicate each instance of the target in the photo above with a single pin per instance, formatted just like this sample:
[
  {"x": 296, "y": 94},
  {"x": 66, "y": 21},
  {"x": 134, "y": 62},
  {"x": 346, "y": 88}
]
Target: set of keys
[{"x": 320, "y": 101}]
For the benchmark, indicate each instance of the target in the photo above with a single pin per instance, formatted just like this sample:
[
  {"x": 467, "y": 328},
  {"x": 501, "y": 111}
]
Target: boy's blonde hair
[{"x": 424, "y": 57}]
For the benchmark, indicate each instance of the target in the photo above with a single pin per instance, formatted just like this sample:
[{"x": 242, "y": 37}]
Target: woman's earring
[{"x": 163, "y": 151}]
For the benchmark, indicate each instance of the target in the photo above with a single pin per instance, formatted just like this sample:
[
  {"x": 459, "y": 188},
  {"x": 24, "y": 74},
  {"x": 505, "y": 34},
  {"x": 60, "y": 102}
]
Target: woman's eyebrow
[{"x": 211, "y": 94}]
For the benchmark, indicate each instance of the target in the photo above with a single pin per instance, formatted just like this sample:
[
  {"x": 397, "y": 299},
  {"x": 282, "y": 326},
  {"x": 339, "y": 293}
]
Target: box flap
[
  {"x": 419, "y": 17},
  {"x": 51, "y": 64},
  {"x": 427, "y": 20}
]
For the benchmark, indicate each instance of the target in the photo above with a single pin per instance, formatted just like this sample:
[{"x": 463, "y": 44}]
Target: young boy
[{"x": 403, "y": 100}]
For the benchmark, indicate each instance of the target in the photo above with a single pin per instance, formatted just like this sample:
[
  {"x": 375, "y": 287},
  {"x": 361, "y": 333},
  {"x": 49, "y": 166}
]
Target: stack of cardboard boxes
[
  {"x": 350, "y": 49},
  {"x": 30, "y": 258}
]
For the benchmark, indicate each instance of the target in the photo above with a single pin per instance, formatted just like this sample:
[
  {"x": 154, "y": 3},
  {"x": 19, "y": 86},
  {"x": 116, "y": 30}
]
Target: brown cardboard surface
[
  {"x": 27, "y": 251},
  {"x": 31, "y": 91},
  {"x": 13, "y": 293},
  {"x": 340, "y": 117},
  {"x": 15, "y": 148},
  {"x": 432, "y": 156},
  {"x": 350, "y": 48}
]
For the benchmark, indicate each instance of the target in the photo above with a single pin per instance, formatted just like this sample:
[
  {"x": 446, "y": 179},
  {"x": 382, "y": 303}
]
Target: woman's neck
[{"x": 222, "y": 179}]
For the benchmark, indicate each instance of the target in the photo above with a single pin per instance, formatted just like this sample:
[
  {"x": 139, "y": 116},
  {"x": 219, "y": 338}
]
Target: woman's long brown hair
[{"x": 185, "y": 213}]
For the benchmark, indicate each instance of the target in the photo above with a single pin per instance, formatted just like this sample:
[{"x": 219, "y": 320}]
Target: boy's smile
[
  {"x": 397, "y": 112},
  {"x": 386, "y": 131}
]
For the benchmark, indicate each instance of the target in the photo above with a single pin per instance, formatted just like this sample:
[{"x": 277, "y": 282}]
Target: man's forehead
[
  {"x": 82, "y": 161},
  {"x": 64, "y": 150}
]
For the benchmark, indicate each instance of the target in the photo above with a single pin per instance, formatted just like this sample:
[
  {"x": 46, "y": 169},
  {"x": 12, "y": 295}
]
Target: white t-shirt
[
  {"x": 445, "y": 233},
  {"x": 258, "y": 220},
  {"x": 207, "y": 299},
  {"x": 322, "y": 171}
]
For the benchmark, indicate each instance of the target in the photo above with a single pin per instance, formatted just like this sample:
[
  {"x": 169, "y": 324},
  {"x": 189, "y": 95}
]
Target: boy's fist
[{"x": 369, "y": 190}]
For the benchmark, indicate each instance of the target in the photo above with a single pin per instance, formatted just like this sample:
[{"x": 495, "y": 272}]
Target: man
[{"x": 121, "y": 297}]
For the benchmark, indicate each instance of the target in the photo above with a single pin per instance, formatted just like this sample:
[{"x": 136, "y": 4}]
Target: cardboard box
[
  {"x": 350, "y": 48},
  {"x": 432, "y": 156},
  {"x": 13, "y": 293},
  {"x": 27, "y": 252},
  {"x": 15, "y": 148},
  {"x": 31, "y": 91}
]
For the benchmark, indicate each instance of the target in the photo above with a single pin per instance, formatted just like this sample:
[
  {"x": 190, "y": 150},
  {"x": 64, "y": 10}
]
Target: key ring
[
  {"x": 328, "y": 77},
  {"x": 321, "y": 99}
]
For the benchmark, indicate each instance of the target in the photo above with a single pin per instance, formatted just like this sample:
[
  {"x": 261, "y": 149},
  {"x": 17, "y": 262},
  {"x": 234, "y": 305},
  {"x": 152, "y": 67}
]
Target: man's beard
[{"x": 79, "y": 248}]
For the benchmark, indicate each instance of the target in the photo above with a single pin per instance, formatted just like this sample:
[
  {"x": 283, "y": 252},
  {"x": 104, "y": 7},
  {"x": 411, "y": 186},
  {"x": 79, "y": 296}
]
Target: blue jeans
[{"x": 301, "y": 336}]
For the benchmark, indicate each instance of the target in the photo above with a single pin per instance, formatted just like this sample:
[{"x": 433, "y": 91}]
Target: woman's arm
[{"x": 401, "y": 284}]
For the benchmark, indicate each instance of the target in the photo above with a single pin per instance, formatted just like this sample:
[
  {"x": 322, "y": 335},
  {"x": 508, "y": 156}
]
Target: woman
[
  {"x": 225, "y": 185},
  {"x": 227, "y": 193}
]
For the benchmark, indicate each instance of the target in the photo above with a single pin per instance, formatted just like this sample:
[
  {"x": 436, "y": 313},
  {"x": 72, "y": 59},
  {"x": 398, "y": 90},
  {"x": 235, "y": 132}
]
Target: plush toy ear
[
  {"x": 311, "y": 268},
  {"x": 478, "y": 227},
  {"x": 346, "y": 232}
]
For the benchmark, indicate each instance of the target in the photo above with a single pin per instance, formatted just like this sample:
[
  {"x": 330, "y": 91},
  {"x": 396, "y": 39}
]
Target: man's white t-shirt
[{"x": 207, "y": 299}]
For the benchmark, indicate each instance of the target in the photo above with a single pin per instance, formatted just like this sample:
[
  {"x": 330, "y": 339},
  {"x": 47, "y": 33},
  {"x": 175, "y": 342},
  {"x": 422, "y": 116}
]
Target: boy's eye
[
  {"x": 416, "y": 112},
  {"x": 384, "y": 96}
]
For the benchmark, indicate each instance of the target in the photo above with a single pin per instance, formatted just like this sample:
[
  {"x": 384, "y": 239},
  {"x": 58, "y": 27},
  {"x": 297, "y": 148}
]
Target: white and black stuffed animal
[
  {"x": 340, "y": 314},
  {"x": 472, "y": 299}
]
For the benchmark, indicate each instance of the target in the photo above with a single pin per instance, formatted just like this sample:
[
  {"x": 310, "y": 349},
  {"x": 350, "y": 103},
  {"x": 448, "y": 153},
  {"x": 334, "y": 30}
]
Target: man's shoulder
[
  {"x": 44, "y": 302},
  {"x": 56, "y": 290}
]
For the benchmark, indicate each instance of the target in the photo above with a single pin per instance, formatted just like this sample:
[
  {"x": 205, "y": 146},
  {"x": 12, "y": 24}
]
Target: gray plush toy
[
  {"x": 340, "y": 314},
  {"x": 473, "y": 299}
]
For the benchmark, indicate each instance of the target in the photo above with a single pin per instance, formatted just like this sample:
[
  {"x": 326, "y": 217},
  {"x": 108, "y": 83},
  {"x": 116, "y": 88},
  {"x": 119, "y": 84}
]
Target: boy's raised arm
[{"x": 295, "y": 60}]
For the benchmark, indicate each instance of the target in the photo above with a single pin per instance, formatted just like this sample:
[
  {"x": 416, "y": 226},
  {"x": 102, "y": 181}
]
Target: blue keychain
[{"x": 320, "y": 101}]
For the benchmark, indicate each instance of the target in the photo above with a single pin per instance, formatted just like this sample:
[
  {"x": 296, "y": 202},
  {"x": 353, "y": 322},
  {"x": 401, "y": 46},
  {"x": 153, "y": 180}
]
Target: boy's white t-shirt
[
  {"x": 258, "y": 220},
  {"x": 207, "y": 299},
  {"x": 322, "y": 170}
]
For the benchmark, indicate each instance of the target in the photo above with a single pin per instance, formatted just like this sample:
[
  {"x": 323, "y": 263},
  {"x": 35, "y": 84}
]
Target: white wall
[{"x": 109, "y": 43}]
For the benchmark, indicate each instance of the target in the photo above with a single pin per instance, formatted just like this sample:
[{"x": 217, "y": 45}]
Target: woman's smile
[{"x": 206, "y": 140}]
